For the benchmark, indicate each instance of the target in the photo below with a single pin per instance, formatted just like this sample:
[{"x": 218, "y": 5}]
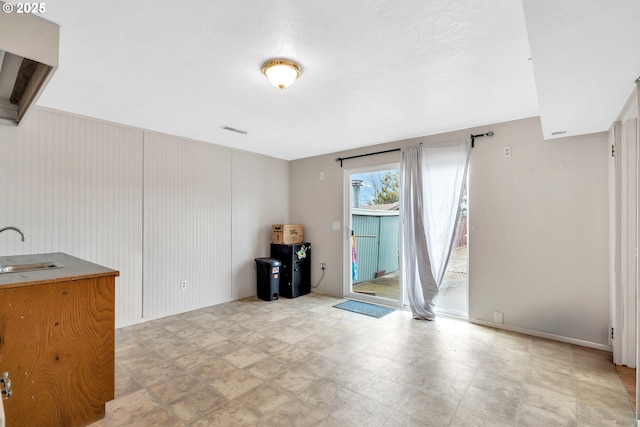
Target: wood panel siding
[
  {"x": 260, "y": 197},
  {"x": 74, "y": 185},
  {"x": 187, "y": 228},
  {"x": 141, "y": 202}
]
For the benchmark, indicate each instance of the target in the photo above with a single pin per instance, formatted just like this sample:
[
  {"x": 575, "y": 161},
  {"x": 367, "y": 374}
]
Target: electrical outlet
[
  {"x": 498, "y": 317},
  {"x": 506, "y": 151},
  {"x": 183, "y": 285},
  {"x": 323, "y": 265}
]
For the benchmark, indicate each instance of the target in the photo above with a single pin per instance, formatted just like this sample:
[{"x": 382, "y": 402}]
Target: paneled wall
[
  {"x": 187, "y": 225},
  {"x": 260, "y": 195},
  {"x": 75, "y": 185},
  {"x": 159, "y": 209}
]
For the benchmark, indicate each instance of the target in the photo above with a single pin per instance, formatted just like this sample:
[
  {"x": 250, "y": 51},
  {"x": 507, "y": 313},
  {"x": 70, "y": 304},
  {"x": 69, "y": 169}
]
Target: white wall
[
  {"x": 159, "y": 209},
  {"x": 187, "y": 225},
  {"x": 538, "y": 237},
  {"x": 538, "y": 226},
  {"x": 75, "y": 185},
  {"x": 260, "y": 198}
]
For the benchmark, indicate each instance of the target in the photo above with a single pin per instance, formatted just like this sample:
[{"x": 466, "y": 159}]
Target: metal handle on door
[{"x": 6, "y": 386}]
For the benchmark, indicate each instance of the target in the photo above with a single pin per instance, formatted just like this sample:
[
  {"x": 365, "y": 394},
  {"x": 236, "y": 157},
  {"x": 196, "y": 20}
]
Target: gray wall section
[{"x": 538, "y": 226}]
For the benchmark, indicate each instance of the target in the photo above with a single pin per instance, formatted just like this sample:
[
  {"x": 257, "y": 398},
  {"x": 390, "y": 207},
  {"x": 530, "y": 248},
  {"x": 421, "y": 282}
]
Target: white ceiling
[{"x": 373, "y": 71}]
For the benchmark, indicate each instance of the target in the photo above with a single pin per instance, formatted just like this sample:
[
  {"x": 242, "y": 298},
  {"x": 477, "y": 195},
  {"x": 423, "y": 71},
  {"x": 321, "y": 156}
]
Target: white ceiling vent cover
[
  {"x": 29, "y": 48},
  {"x": 230, "y": 129}
]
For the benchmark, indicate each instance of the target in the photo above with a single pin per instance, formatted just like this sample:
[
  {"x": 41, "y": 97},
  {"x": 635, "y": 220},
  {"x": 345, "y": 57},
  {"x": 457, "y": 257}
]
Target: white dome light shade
[{"x": 281, "y": 72}]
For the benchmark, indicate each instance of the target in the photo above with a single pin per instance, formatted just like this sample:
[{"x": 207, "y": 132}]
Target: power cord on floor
[{"x": 323, "y": 267}]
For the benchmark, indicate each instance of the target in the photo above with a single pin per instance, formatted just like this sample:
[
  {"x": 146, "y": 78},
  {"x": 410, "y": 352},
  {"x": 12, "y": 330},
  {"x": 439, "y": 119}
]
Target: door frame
[
  {"x": 346, "y": 258},
  {"x": 624, "y": 208}
]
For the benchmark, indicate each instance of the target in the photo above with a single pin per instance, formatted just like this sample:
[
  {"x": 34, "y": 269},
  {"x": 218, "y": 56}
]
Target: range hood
[{"x": 29, "y": 48}]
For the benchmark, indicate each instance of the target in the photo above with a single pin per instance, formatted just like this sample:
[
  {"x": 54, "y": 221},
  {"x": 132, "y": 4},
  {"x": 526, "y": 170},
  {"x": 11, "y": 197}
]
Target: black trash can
[{"x": 268, "y": 270}]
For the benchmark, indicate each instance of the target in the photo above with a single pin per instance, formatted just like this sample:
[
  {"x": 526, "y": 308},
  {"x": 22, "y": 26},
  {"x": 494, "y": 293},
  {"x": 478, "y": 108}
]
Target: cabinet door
[
  {"x": 302, "y": 276},
  {"x": 286, "y": 280},
  {"x": 57, "y": 343}
]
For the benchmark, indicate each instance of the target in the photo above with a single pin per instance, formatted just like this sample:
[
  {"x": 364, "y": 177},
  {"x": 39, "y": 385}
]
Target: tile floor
[{"x": 301, "y": 362}]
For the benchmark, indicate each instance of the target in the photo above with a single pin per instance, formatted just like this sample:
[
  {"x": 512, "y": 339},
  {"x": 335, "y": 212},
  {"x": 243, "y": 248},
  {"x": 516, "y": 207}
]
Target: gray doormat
[{"x": 367, "y": 309}]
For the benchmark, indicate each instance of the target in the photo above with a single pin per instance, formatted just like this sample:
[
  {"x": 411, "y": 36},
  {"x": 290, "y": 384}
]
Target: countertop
[{"x": 74, "y": 269}]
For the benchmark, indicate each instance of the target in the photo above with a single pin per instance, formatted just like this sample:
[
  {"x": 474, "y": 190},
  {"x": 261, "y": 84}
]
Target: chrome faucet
[{"x": 14, "y": 229}]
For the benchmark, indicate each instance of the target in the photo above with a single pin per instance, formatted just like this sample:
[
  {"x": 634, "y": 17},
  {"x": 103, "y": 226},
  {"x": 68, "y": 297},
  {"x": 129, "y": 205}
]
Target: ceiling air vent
[
  {"x": 230, "y": 129},
  {"x": 28, "y": 58}
]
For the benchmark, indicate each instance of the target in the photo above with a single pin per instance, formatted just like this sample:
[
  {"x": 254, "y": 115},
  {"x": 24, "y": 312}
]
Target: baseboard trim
[{"x": 546, "y": 335}]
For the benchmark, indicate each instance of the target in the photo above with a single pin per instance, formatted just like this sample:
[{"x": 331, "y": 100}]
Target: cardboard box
[{"x": 287, "y": 234}]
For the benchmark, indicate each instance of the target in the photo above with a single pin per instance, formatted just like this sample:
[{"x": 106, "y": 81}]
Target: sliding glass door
[
  {"x": 372, "y": 245},
  {"x": 453, "y": 296}
]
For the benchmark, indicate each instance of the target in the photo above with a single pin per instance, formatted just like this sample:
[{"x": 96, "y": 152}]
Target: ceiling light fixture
[{"x": 281, "y": 72}]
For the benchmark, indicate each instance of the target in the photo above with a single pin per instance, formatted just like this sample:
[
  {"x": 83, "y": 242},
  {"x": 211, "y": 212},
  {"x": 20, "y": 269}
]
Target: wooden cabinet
[{"x": 57, "y": 343}]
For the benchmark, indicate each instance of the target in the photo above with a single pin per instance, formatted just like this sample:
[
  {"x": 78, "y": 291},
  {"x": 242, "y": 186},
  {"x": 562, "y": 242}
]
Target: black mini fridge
[{"x": 295, "y": 272}]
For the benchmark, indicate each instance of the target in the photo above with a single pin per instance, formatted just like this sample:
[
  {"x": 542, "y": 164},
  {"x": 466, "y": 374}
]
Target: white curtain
[{"x": 431, "y": 182}]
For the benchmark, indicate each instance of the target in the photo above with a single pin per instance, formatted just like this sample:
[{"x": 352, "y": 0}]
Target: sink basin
[{"x": 17, "y": 268}]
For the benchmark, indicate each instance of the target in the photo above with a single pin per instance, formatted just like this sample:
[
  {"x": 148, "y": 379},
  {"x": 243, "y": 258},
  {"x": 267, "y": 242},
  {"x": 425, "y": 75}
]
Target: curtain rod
[
  {"x": 341, "y": 159},
  {"x": 473, "y": 137}
]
